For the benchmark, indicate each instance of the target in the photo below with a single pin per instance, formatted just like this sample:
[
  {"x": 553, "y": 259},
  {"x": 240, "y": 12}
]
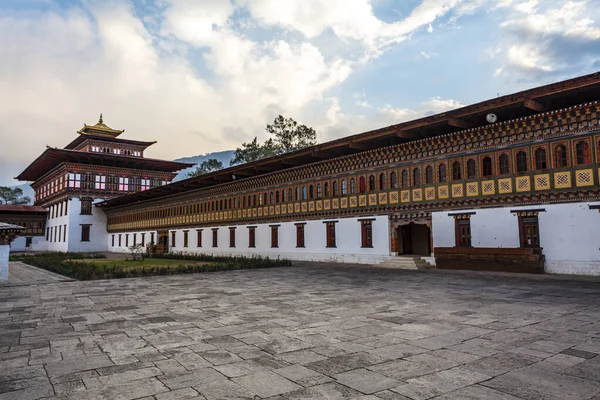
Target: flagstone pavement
[{"x": 304, "y": 332}]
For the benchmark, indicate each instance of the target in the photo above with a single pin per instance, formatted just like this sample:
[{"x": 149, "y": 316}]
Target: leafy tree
[
  {"x": 206, "y": 166},
  {"x": 288, "y": 136},
  {"x": 10, "y": 195}
]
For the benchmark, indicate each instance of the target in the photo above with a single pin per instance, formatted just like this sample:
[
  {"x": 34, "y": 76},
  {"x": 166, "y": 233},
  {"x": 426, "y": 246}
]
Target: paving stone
[
  {"x": 78, "y": 364},
  {"x": 579, "y": 353},
  {"x": 501, "y": 363},
  {"x": 123, "y": 377},
  {"x": 588, "y": 369},
  {"x": 476, "y": 392},
  {"x": 337, "y": 365},
  {"x": 449, "y": 380},
  {"x": 137, "y": 338},
  {"x": 302, "y": 375},
  {"x": 224, "y": 391},
  {"x": 333, "y": 391},
  {"x": 126, "y": 391},
  {"x": 219, "y": 357},
  {"x": 179, "y": 394},
  {"x": 266, "y": 384},
  {"x": 533, "y": 383},
  {"x": 366, "y": 381},
  {"x": 192, "y": 378}
]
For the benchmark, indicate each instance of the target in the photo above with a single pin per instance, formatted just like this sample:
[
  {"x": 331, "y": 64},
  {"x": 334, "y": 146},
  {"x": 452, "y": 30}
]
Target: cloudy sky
[{"x": 205, "y": 75}]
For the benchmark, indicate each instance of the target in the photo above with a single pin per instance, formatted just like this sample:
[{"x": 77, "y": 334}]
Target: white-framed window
[
  {"x": 145, "y": 184},
  {"x": 100, "y": 182},
  {"x": 123, "y": 184},
  {"x": 74, "y": 180},
  {"x": 117, "y": 151}
]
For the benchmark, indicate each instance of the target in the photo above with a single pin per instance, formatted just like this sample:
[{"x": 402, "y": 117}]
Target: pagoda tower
[{"x": 96, "y": 166}]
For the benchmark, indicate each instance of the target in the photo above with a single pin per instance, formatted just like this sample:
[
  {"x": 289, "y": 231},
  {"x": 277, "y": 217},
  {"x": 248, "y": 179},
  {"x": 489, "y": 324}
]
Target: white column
[{"x": 4, "y": 250}]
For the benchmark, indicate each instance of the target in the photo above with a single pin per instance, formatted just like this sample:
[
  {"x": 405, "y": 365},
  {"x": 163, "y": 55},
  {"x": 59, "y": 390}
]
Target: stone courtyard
[{"x": 303, "y": 332}]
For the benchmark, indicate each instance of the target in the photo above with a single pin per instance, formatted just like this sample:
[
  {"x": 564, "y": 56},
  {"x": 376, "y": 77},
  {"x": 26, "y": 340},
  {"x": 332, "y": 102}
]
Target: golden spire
[{"x": 100, "y": 120}]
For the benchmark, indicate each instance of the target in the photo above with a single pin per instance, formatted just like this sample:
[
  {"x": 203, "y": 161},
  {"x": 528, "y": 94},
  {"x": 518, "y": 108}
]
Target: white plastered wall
[
  {"x": 97, "y": 222},
  {"x": 4, "y": 250},
  {"x": 569, "y": 234},
  {"x": 348, "y": 241}
]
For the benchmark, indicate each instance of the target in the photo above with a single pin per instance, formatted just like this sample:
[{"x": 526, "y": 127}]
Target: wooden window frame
[
  {"x": 86, "y": 232},
  {"x": 173, "y": 238},
  {"x": 215, "y": 237},
  {"x": 586, "y": 157},
  {"x": 185, "y": 238},
  {"x": 300, "y": 239},
  {"x": 561, "y": 161},
  {"x": 366, "y": 233},
  {"x": 232, "y": 237},
  {"x": 199, "y": 237},
  {"x": 86, "y": 205},
  {"x": 527, "y": 163},
  {"x": 252, "y": 237},
  {"x": 330, "y": 234},
  {"x": 274, "y": 236},
  {"x": 487, "y": 168}
]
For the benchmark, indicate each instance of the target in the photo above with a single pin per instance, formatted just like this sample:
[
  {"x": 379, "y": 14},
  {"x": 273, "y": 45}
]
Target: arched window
[
  {"x": 254, "y": 201},
  {"x": 271, "y": 198},
  {"x": 504, "y": 164},
  {"x": 334, "y": 188},
  {"x": 393, "y": 180},
  {"x": 416, "y": 177},
  {"x": 582, "y": 150},
  {"x": 471, "y": 169},
  {"x": 381, "y": 181},
  {"x": 284, "y": 195},
  {"x": 371, "y": 182},
  {"x": 404, "y": 178},
  {"x": 456, "y": 175},
  {"x": 522, "y": 162},
  {"x": 319, "y": 193},
  {"x": 244, "y": 201},
  {"x": 304, "y": 193},
  {"x": 486, "y": 166},
  {"x": 265, "y": 198},
  {"x": 297, "y": 194},
  {"x": 277, "y": 196},
  {"x": 289, "y": 195},
  {"x": 442, "y": 173},
  {"x": 362, "y": 185},
  {"x": 352, "y": 186},
  {"x": 540, "y": 159},
  {"x": 429, "y": 174},
  {"x": 311, "y": 192},
  {"x": 560, "y": 155},
  {"x": 326, "y": 188},
  {"x": 344, "y": 187},
  {"x": 221, "y": 205}
]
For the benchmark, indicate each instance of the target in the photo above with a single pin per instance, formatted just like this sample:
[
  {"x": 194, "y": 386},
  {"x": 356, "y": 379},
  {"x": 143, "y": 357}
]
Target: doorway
[
  {"x": 162, "y": 246},
  {"x": 414, "y": 239}
]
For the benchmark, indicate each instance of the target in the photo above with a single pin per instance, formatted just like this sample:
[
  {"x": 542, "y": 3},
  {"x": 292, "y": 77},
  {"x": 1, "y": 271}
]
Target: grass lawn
[{"x": 148, "y": 262}]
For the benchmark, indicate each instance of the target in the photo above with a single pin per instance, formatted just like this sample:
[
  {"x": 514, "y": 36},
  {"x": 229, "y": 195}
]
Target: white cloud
[
  {"x": 551, "y": 39},
  {"x": 196, "y": 21}
]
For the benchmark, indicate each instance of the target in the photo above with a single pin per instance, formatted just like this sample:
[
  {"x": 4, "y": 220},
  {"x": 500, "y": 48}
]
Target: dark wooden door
[{"x": 406, "y": 239}]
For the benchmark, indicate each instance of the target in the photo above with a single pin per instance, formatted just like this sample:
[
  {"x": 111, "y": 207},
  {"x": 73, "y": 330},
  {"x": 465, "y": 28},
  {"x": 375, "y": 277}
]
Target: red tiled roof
[{"x": 21, "y": 208}]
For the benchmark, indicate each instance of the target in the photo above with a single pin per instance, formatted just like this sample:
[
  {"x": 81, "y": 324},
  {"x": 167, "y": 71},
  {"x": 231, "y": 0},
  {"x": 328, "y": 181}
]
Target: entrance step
[{"x": 405, "y": 262}]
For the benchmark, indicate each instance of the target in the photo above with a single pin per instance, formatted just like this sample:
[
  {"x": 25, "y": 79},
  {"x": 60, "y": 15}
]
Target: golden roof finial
[{"x": 100, "y": 120}]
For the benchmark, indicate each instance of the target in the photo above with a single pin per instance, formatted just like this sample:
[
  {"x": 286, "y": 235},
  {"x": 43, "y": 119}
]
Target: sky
[{"x": 206, "y": 75}]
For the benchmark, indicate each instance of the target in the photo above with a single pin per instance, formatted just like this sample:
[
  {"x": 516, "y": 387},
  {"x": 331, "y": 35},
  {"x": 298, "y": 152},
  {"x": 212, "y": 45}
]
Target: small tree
[
  {"x": 287, "y": 136},
  {"x": 206, "y": 166},
  {"x": 10, "y": 195},
  {"x": 137, "y": 252}
]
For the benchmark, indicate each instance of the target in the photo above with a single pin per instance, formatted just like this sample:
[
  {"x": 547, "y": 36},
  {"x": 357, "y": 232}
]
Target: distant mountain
[{"x": 224, "y": 156}]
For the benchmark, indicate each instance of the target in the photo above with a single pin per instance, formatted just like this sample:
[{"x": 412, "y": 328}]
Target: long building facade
[{"x": 511, "y": 184}]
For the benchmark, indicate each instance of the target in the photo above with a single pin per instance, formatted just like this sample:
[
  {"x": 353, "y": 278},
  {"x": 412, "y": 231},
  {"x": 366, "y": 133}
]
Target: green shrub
[{"x": 74, "y": 266}]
